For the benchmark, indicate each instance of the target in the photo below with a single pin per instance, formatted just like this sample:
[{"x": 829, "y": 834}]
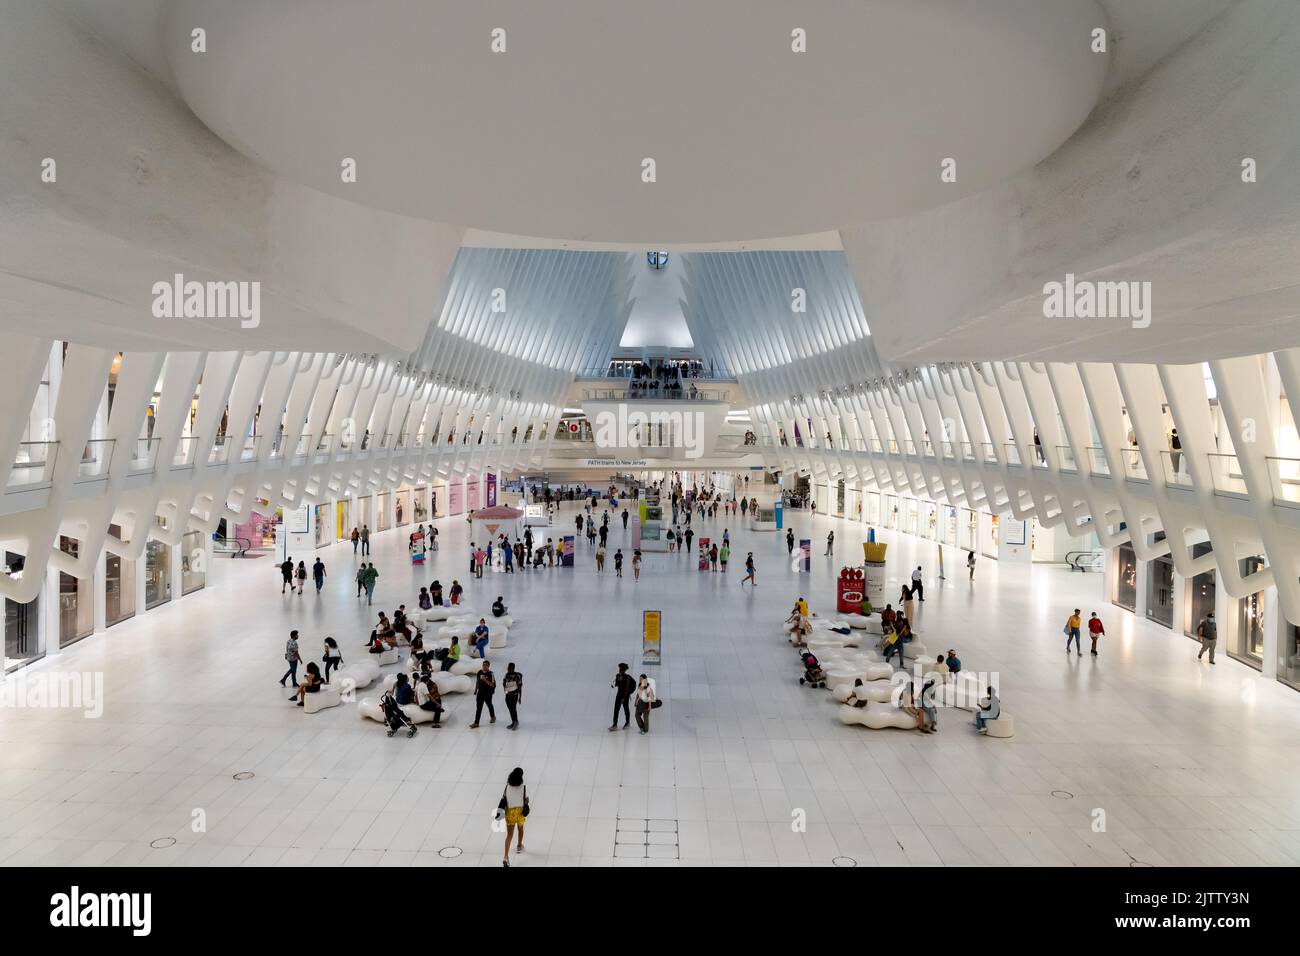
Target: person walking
[
  {"x": 723, "y": 554},
  {"x": 618, "y": 563},
  {"x": 1072, "y": 632},
  {"x": 318, "y": 575},
  {"x": 514, "y": 810},
  {"x": 970, "y": 564},
  {"x": 332, "y": 656},
  {"x": 645, "y": 700},
  {"x": 356, "y": 540},
  {"x": 1095, "y": 630},
  {"x": 918, "y": 587},
  {"x": 513, "y": 684},
  {"x": 749, "y": 570},
  {"x": 361, "y": 579},
  {"x": 293, "y": 658},
  {"x": 600, "y": 559},
  {"x": 625, "y": 686},
  {"x": 830, "y": 543},
  {"x": 485, "y": 685},
  {"x": 302, "y": 576},
  {"x": 365, "y": 539},
  {"x": 636, "y": 565},
  {"x": 789, "y": 541},
  {"x": 689, "y": 536},
  {"x": 625, "y": 515},
  {"x": 1208, "y": 632},
  {"x": 286, "y": 574},
  {"x": 906, "y": 603},
  {"x": 929, "y": 702},
  {"x": 371, "y": 577}
]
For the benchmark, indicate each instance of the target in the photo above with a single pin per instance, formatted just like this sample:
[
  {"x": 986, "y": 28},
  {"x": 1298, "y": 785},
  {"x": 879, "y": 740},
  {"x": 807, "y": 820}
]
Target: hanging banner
[
  {"x": 651, "y": 628},
  {"x": 491, "y": 490},
  {"x": 566, "y": 551}
]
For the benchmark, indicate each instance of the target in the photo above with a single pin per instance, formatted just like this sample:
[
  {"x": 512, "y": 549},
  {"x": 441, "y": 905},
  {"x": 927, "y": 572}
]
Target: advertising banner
[
  {"x": 704, "y": 554},
  {"x": 566, "y": 551},
  {"x": 805, "y": 555},
  {"x": 491, "y": 490},
  {"x": 651, "y": 634}
]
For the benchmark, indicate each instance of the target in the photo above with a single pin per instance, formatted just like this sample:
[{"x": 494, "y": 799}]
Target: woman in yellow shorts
[{"x": 514, "y": 801}]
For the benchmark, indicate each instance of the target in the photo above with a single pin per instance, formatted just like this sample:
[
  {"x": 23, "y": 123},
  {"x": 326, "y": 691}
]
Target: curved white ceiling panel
[{"x": 549, "y": 137}]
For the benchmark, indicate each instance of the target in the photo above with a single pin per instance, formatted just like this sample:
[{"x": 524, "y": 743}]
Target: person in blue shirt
[
  {"x": 954, "y": 664},
  {"x": 481, "y": 638},
  {"x": 402, "y": 691}
]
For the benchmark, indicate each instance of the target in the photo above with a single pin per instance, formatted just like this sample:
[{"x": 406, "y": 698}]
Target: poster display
[
  {"x": 566, "y": 551},
  {"x": 704, "y": 553},
  {"x": 651, "y": 637},
  {"x": 805, "y": 555},
  {"x": 491, "y": 490}
]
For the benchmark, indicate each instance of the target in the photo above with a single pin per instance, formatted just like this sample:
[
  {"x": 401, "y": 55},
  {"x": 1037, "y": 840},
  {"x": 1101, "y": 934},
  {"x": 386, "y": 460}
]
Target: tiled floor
[{"x": 1188, "y": 764}]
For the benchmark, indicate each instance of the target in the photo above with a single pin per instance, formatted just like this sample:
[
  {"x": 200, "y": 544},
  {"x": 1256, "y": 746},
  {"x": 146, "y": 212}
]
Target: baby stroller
[
  {"x": 813, "y": 675},
  {"x": 394, "y": 716}
]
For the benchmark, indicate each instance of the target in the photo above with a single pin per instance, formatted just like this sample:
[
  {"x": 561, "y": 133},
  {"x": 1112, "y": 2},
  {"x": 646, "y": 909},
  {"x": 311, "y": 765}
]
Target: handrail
[
  {"x": 1085, "y": 561},
  {"x": 242, "y": 545}
]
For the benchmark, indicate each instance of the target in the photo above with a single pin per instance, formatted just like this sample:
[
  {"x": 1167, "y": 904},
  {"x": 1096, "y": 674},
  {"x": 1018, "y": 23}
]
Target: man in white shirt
[
  {"x": 989, "y": 710},
  {"x": 918, "y": 588}
]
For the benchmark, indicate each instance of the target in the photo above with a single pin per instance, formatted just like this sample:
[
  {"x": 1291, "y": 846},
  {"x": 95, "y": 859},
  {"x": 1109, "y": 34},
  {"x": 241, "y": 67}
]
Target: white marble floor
[{"x": 1189, "y": 764}]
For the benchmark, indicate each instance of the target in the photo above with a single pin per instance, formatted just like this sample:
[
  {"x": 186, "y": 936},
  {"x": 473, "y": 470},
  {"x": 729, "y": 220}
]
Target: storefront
[
  {"x": 157, "y": 574},
  {"x": 76, "y": 600},
  {"x": 383, "y": 514},
  {"x": 194, "y": 562},
  {"x": 1160, "y": 591},
  {"x": 23, "y": 643},
  {"x": 324, "y": 526},
  {"x": 1200, "y": 594},
  {"x": 1126, "y": 568},
  {"x": 910, "y": 515},
  {"x": 420, "y": 504},
  {"x": 343, "y": 519},
  {"x": 119, "y": 585},
  {"x": 1246, "y": 642},
  {"x": 873, "y": 507},
  {"x": 990, "y": 549},
  {"x": 1288, "y": 665},
  {"x": 970, "y": 529},
  {"x": 362, "y": 511},
  {"x": 839, "y": 498},
  {"x": 402, "y": 508}
]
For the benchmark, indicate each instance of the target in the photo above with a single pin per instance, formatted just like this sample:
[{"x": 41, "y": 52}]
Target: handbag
[{"x": 656, "y": 704}]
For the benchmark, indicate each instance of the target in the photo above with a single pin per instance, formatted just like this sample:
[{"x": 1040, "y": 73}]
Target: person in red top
[
  {"x": 1095, "y": 630},
  {"x": 887, "y": 618}
]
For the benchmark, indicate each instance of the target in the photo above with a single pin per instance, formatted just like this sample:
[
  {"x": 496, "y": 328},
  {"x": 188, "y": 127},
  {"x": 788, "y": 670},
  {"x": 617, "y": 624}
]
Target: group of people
[
  {"x": 313, "y": 680},
  {"x": 292, "y": 577},
  {"x": 1096, "y": 630}
]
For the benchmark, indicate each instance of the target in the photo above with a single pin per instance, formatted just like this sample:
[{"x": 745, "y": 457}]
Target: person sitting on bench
[
  {"x": 453, "y": 654},
  {"x": 854, "y": 700},
  {"x": 498, "y": 607},
  {"x": 990, "y": 709}
]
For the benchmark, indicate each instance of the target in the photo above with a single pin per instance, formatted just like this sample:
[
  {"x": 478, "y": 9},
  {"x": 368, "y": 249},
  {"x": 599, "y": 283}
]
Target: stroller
[
  {"x": 394, "y": 717},
  {"x": 813, "y": 675}
]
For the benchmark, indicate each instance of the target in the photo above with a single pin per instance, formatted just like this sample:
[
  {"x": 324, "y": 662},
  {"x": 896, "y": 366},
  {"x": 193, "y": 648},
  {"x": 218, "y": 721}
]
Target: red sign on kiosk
[
  {"x": 704, "y": 554},
  {"x": 850, "y": 591}
]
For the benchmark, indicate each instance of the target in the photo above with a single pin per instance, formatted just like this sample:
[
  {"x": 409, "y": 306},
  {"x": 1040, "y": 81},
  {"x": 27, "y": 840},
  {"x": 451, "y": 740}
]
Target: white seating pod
[
  {"x": 445, "y": 612},
  {"x": 1004, "y": 726},
  {"x": 878, "y": 691},
  {"x": 369, "y": 709},
  {"x": 446, "y": 682},
  {"x": 877, "y": 716},
  {"x": 330, "y": 695},
  {"x": 362, "y": 670},
  {"x": 390, "y": 656}
]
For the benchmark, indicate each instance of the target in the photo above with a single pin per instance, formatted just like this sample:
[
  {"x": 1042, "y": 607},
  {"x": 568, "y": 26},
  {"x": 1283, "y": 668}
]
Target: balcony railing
[
  {"x": 1284, "y": 476},
  {"x": 97, "y": 458},
  {"x": 1226, "y": 477},
  {"x": 33, "y": 464},
  {"x": 1135, "y": 468},
  {"x": 1065, "y": 455},
  {"x": 1013, "y": 454},
  {"x": 1097, "y": 460},
  {"x": 1174, "y": 464},
  {"x": 186, "y": 450}
]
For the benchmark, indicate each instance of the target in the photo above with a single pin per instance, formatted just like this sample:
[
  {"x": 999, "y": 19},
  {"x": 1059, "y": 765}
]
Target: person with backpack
[
  {"x": 645, "y": 702},
  {"x": 485, "y": 685},
  {"x": 302, "y": 576},
  {"x": 513, "y": 809},
  {"x": 318, "y": 575},
  {"x": 1208, "y": 632},
  {"x": 513, "y": 685},
  {"x": 361, "y": 579},
  {"x": 624, "y": 685}
]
